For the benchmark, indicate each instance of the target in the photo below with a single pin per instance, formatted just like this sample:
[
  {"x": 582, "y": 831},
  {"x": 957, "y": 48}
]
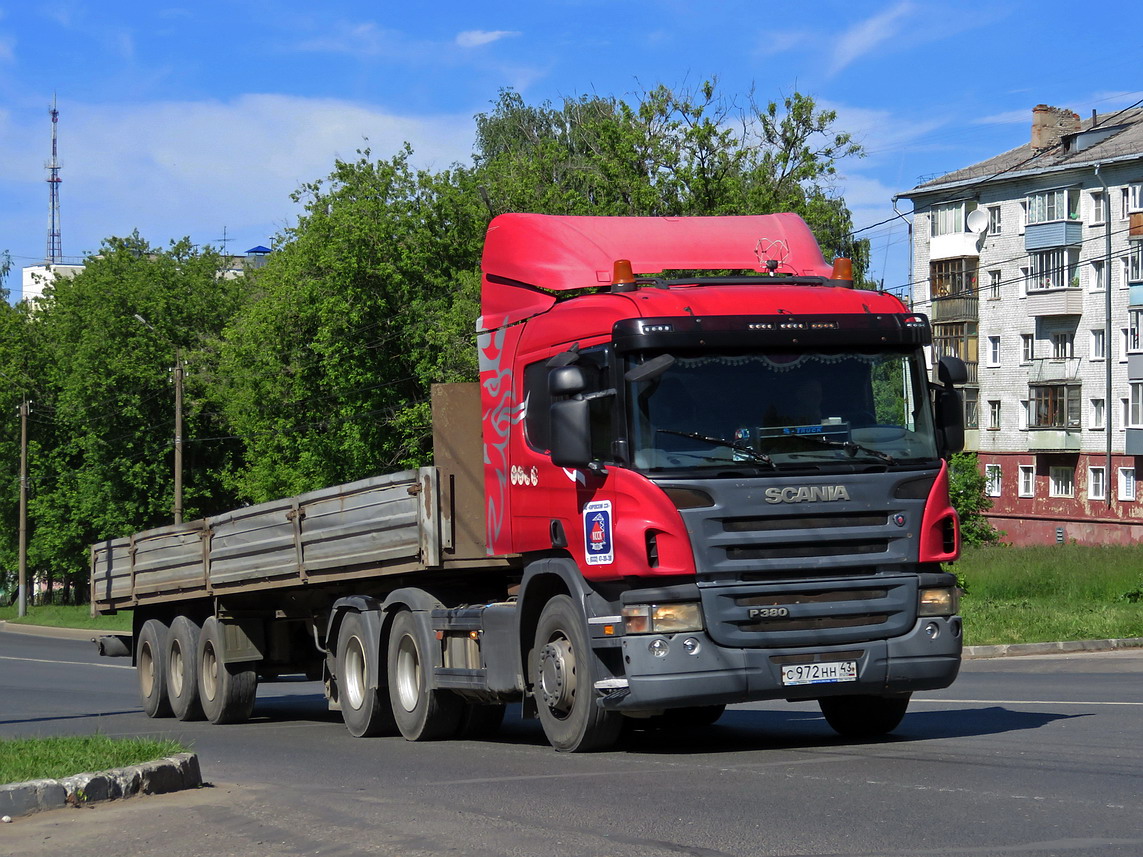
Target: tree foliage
[
  {"x": 969, "y": 495},
  {"x": 316, "y": 368}
]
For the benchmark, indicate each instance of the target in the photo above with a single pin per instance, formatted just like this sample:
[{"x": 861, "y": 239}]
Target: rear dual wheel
[
  {"x": 421, "y": 712},
  {"x": 182, "y": 669},
  {"x": 226, "y": 691},
  {"x": 151, "y": 668}
]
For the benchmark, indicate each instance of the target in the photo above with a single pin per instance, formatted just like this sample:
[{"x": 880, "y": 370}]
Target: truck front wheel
[
  {"x": 226, "y": 691},
  {"x": 422, "y": 713},
  {"x": 864, "y": 716},
  {"x": 563, "y": 682},
  {"x": 182, "y": 671},
  {"x": 151, "y": 666}
]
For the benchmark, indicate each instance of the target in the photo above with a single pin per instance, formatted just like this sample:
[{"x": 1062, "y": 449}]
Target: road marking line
[
  {"x": 1022, "y": 702},
  {"x": 72, "y": 663}
]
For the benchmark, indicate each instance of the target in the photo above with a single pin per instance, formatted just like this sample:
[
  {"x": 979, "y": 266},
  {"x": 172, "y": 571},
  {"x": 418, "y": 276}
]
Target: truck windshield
[{"x": 779, "y": 409}]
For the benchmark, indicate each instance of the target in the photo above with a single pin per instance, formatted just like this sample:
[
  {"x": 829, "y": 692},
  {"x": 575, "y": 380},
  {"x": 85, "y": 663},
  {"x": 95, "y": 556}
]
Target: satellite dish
[{"x": 977, "y": 220}]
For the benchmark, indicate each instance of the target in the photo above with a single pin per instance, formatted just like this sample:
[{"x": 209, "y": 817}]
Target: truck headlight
[
  {"x": 938, "y": 601},
  {"x": 674, "y": 618}
]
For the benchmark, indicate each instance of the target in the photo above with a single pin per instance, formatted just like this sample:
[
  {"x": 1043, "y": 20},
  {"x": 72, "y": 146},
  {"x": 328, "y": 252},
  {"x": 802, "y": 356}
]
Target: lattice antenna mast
[{"x": 55, "y": 242}]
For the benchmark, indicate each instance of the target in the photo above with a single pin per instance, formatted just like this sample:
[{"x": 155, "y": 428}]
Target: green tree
[
  {"x": 969, "y": 495},
  {"x": 105, "y": 342},
  {"x": 356, "y": 313}
]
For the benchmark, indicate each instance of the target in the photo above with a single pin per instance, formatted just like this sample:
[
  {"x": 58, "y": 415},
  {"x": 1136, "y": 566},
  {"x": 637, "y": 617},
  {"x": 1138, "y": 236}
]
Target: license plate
[{"x": 828, "y": 673}]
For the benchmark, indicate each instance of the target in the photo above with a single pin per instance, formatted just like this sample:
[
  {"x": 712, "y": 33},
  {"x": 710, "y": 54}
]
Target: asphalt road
[{"x": 1022, "y": 756}]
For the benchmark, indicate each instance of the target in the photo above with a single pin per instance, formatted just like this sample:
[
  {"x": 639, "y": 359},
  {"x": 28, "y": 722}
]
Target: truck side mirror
[
  {"x": 949, "y": 408},
  {"x": 571, "y": 433}
]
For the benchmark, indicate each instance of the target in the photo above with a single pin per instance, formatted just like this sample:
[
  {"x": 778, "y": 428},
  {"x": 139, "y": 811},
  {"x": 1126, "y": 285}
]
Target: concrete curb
[
  {"x": 1071, "y": 647},
  {"x": 171, "y": 774},
  {"x": 49, "y": 631}
]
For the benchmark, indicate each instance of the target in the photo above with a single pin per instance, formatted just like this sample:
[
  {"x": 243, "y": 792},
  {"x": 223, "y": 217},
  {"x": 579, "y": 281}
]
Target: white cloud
[
  {"x": 171, "y": 169},
  {"x": 477, "y": 38},
  {"x": 868, "y": 35}
]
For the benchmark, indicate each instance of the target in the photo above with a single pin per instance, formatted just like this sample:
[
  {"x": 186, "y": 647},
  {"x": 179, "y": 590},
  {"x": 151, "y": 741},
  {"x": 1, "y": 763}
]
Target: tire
[
  {"x": 151, "y": 668},
  {"x": 226, "y": 691},
  {"x": 864, "y": 716},
  {"x": 421, "y": 713},
  {"x": 480, "y": 722},
  {"x": 182, "y": 669},
  {"x": 365, "y": 710},
  {"x": 561, "y": 672}
]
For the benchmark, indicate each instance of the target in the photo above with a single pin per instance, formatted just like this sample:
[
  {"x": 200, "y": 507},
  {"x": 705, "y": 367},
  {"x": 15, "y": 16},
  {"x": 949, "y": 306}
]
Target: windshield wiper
[
  {"x": 850, "y": 446},
  {"x": 752, "y": 454}
]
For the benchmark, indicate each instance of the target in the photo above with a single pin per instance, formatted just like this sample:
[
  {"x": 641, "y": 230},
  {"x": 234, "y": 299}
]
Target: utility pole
[
  {"x": 178, "y": 504},
  {"x": 22, "y": 609}
]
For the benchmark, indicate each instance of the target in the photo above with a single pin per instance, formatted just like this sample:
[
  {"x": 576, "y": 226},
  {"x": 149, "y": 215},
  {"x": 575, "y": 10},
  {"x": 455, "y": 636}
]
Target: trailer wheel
[
  {"x": 864, "y": 716},
  {"x": 422, "y": 713},
  {"x": 365, "y": 710},
  {"x": 151, "y": 667},
  {"x": 561, "y": 673},
  {"x": 226, "y": 691},
  {"x": 182, "y": 669}
]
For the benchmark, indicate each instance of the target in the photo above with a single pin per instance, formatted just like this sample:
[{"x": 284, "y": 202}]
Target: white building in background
[
  {"x": 1010, "y": 262},
  {"x": 35, "y": 277}
]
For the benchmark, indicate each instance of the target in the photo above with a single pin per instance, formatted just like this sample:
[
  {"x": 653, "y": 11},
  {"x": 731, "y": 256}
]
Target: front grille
[
  {"x": 806, "y": 551},
  {"x": 817, "y": 624},
  {"x": 802, "y": 522}
]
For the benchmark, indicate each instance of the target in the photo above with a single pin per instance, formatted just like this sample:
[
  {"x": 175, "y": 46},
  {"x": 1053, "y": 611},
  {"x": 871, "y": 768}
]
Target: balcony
[
  {"x": 955, "y": 246},
  {"x": 1054, "y": 440},
  {"x": 955, "y": 308},
  {"x": 1065, "y": 301},
  {"x": 1054, "y": 233},
  {"x": 1046, "y": 370}
]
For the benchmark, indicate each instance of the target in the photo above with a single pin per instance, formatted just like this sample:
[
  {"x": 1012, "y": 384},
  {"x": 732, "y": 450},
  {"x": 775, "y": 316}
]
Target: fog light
[
  {"x": 691, "y": 646},
  {"x": 659, "y": 648},
  {"x": 932, "y": 630}
]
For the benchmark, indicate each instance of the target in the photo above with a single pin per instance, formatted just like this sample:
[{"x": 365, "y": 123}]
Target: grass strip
[
  {"x": 23, "y": 759},
  {"x": 67, "y": 616},
  {"x": 1051, "y": 593}
]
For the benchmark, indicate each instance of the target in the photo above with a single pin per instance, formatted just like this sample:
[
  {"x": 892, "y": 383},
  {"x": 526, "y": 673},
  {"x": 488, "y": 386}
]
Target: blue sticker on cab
[{"x": 597, "y": 533}]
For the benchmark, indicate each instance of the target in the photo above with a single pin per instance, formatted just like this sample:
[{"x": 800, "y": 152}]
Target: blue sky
[{"x": 200, "y": 120}]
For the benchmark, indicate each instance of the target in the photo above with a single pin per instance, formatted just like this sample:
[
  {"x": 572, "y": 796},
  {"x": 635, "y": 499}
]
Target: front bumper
[{"x": 925, "y": 658}]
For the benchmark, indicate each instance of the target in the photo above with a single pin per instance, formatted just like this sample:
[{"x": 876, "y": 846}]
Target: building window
[
  {"x": 1126, "y": 483},
  {"x": 1096, "y": 483},
  {"x": 994, "y": 351},
  {"x": 1027, "y": 480},
  {"x": 994, "y": 222},
  {"x": 1028, "y": 346},
  {"x": 948, "y": 219},
  {"x": 958, "y": 339},
  {"x": 1098, "y": 207},
  {"x": 993, "y": 415},
  {"x": 1124, "y": 341},
  {"x": 1124, "y": 413},
  {"x": 1134, "y": 198},
  {"x": 1063, "y": 345},
  {"x": 1135, "y": 266},
  {"x": 953, "y": 277},
  {"x": 1061, "y": 482},
  {"x": 1051, "y": 269},
  {"x": 992, "y": 479},
  {"x": 1124, "y": 271},
  {"x": 1054, "y": 406},
  {"x": 994, "y": 285},
  {"x": 1135, "y": 406},
  {"x": 1098, "y": 345},
  {"x": 1049, "y": 205},
  {"x": 1023, "y": 414},
  {"x": 1098, "y": 415},
  {"x": 971, "y": 407},
  {"x": 1124, "y": 203},
  {"x": 1134, "y": 317},
  {"x": 1098, "y": 275}
]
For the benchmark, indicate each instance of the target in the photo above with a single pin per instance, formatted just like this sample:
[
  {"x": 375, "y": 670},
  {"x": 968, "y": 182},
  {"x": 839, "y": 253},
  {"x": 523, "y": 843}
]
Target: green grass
[
  {"x": 1050, "y": 593},
  {"x": 23, "y": 759},
  {"x": 68, "y": 616}
]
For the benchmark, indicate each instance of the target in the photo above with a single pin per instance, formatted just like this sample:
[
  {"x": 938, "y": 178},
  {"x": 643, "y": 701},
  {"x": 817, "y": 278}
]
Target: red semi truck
[{"x": 712, "y": 472}]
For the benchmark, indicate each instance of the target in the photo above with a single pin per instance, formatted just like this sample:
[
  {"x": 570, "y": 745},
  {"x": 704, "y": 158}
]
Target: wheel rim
[
  {"x": 408, "y": 673},
  {"x": 557, "y": 676},
  {"x": 176, "y": 669},
  {"x": 355, "y": 673},
  {"x": 209, "y": 671},
  {"x": 146, "y": 670}
]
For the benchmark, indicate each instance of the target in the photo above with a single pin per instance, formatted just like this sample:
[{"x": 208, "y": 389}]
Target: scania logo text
[{"x": 807, "y": 494}]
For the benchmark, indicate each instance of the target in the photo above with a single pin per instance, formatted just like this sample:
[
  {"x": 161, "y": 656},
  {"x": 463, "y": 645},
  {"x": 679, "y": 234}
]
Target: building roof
[{"x": 1108, "y": 138}]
